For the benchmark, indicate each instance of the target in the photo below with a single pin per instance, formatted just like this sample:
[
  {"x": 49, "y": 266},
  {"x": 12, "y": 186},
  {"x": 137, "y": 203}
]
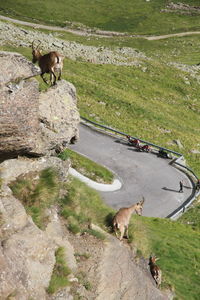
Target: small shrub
[
  {"x": 74, "y": 228},
  {"x": 82, "y": 277},
  {"x": 66, "y": 213},
  {"x": 64, "y": 155},
  {"x": 87, "y": 285}
]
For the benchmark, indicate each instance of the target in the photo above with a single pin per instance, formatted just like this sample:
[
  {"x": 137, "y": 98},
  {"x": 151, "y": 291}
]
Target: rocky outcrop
[
  {"x": 33, "y": 123},
  {"x": 58, "y": 117},
  {"x": 27, "y": 254}
]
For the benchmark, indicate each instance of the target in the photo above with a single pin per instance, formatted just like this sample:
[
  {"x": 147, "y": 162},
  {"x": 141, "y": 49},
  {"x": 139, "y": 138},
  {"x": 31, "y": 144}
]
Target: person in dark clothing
[
  {"x": 198, "y": 185},
  {"x": 181, "y": 186}
]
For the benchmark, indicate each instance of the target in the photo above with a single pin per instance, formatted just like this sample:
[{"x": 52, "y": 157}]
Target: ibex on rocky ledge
[
  {"x": 48, "y": 63},
  {"x": 155, "y": 270},
  {"x": 122, "y": 218}
]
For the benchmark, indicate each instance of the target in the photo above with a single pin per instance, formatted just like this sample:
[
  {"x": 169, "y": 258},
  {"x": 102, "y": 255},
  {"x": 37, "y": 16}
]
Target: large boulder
[{"x": 33, "y": 123}]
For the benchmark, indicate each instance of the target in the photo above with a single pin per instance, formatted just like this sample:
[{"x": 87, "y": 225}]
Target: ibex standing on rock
[
  {"x": 122, "y": 218},
  {"x": 48, "y": 63},
  {"x": 155, "y": 270}
]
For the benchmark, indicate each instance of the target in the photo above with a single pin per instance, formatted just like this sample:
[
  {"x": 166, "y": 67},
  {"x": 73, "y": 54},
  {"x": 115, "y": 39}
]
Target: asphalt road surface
[{"x": 141, "y": 174}]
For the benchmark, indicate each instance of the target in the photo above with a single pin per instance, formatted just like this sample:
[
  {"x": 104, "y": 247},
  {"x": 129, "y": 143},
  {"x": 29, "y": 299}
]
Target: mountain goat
[
  {"x": 49, "y": 63},
  {"x": 155, "y": 270},
  {"x": 122, "y": 218}
]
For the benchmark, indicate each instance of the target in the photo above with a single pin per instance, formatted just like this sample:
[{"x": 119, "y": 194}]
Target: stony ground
[
  {"x": 88, "y": 252},
  {"x": 99, "y": 55}
]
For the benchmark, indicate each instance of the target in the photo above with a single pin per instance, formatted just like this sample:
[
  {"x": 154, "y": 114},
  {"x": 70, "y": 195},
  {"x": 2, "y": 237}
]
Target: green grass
[
  {"x": 135, "y": 16},
  {"x": 148, "y": 102},
  {"x": 99, "y": 235},
  {"x": 83, "y": 205},
  {"x": 60, "y": 272},
  {"x": 37, "y": 194},
  {"x": 87, "y": 167},
  {"x": 177, "y": 246},
  {"x": 192, "y": 216}
]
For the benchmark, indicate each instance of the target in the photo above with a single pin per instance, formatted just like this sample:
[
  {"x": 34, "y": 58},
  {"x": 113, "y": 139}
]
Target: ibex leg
[
  {"x": 59, "y": 76},
  {"x": 122, "y": 230},
  {"x": 42, "y": 75},
  {"x": 127, "y": 232},
  {"x": 54, "y": 81}
]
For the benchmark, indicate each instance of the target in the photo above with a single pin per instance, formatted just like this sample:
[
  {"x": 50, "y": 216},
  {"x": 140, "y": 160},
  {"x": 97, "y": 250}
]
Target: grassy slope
[
  {"x": 136, "y": 16},
  {"x": 175, "y": 243},
  {"x": 149, "y": 102},
  {"x": 177, "y": 247}
]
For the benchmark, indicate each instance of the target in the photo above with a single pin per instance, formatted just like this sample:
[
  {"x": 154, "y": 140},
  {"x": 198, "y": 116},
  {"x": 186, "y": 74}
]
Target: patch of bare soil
[{"x": 88, "y": 252}]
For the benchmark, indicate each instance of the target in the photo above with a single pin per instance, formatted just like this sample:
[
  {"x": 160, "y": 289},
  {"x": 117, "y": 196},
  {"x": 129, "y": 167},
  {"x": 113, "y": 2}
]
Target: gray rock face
[
  {"x": 15, "y": 67},
  {"x": 27, "y": 254},
  {"x": 58, "y": 115},
  {"x": 122, "y": 278},
  {"x": 33, "y": 123}
]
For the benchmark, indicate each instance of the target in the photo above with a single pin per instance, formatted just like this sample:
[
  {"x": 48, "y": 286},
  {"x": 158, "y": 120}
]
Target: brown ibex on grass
[
  {"x": 122, "y": 218},
  {"x": 155, "y": 270},
  {"x": 49, "y": 63}
]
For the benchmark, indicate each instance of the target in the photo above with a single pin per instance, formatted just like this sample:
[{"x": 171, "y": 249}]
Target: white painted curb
[{"x": 116, "y": 185}]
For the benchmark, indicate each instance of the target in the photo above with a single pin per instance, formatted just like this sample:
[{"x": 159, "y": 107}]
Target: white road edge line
[{"x": 116, "y": 185}]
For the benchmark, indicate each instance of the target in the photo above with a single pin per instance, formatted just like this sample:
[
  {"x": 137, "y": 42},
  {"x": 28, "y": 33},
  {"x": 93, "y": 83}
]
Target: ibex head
[
  {"x": 35, "y": 52},
  {"x": 139, "y": 207},
  {"x": 153, "y": 259}
]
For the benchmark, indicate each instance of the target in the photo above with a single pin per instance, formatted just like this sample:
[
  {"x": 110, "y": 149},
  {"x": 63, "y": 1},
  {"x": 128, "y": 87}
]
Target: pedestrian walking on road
[
  {"x": 198, "y": 185},
  {"x": 181, "y": 186}
]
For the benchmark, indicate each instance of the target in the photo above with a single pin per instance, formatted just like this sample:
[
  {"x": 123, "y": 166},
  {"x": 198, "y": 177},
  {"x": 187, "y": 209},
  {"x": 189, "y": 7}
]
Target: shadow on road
[
  {"x": 187, "y": 187},
  {"x": 120, "y": 141},
  {"x": 171, "y": 190}
]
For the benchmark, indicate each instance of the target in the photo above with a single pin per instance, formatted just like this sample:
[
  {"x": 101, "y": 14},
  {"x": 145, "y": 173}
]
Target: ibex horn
[
  {"x": 143, "y": 200},
  {"x": 33, "y": 45},
  {"x": 38, "y": 44}
]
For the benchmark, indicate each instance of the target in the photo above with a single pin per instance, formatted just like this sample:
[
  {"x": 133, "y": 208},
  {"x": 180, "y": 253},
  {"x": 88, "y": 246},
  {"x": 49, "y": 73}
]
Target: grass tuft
[
  {"x": 95, "y": 233},
  {"x": 60, "y": 272}
]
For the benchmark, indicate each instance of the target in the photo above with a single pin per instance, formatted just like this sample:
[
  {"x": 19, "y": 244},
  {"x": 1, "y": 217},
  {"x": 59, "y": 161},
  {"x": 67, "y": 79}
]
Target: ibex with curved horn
[
  {"x": 155, "y": 270},
  {"x": 122, "y": 218},
  {"x": 49, "y": 63}
]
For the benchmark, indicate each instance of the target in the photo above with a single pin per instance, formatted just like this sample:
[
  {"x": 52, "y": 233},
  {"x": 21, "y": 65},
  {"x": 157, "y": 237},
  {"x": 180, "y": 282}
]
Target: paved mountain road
[{"x": 142, "y": 174}]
